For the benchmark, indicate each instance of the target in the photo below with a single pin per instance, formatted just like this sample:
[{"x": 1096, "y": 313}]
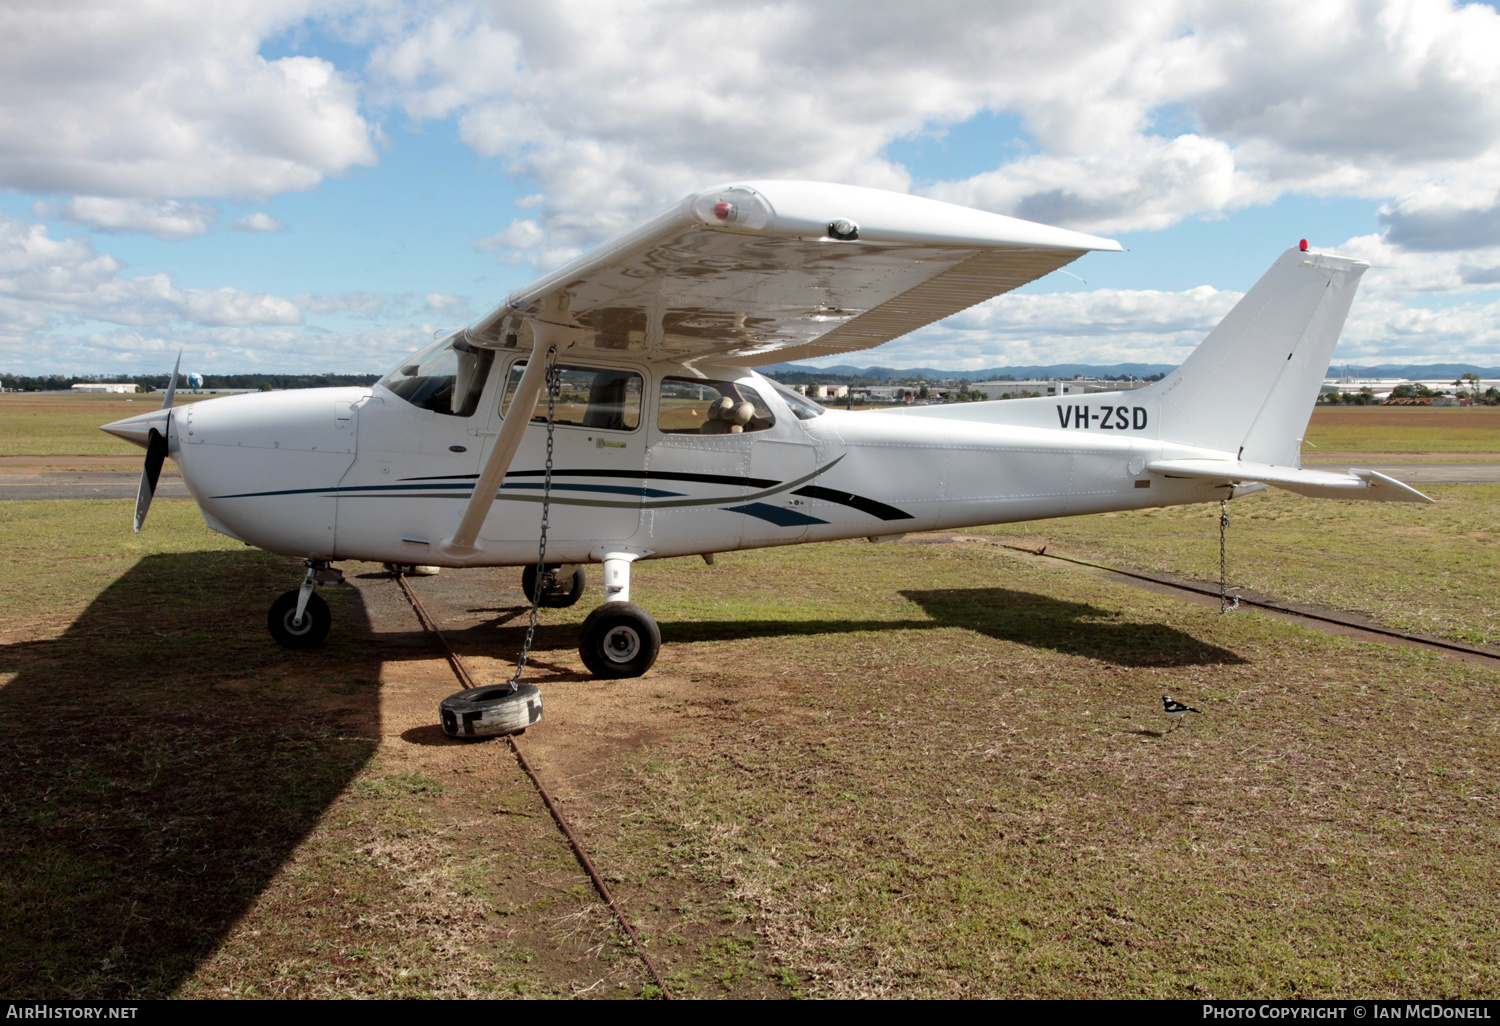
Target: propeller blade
[
  {"x": 156, "y": 455},
  {"x": 166, "y": 403}
]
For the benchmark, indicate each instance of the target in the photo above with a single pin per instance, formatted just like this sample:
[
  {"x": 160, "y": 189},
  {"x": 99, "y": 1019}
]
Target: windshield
[
  {"x": 446, "y": 377},
  {"x": 803, "y": 408}
]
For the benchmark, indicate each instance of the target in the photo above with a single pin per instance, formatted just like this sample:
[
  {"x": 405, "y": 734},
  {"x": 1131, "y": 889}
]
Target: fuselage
[{"x": 363, "y": 473}]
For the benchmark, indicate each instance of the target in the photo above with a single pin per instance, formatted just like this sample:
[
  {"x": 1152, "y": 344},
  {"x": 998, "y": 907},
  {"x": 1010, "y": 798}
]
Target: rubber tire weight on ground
[{"x": 490, "y": 711}]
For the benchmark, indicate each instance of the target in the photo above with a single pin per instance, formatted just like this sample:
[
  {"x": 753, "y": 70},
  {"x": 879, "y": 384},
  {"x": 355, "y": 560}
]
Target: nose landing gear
[
  {"x": 619, "y": 639},
  {"x": 299, "y": 618}
]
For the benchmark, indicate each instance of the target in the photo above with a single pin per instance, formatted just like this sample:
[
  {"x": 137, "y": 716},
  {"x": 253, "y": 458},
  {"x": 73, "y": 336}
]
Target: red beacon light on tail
[{"x": 1302, "y": 245}]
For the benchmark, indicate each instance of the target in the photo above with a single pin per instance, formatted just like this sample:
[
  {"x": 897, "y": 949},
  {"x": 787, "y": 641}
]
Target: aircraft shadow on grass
[
  {"x": 158, "y": 769},
  {"x": 1068, "y": 628},
  {"x": 1026, "y": 618}
]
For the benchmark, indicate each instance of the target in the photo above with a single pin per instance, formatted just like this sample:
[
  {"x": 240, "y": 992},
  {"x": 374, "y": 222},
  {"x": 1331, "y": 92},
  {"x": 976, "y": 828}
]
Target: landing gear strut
[
  {"x": 619, "y": 639},
  {"x": 299, "y": 618}
]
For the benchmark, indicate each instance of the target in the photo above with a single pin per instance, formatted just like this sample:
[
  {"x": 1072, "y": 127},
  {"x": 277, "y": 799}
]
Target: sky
[{"x": 303, "y": 186}]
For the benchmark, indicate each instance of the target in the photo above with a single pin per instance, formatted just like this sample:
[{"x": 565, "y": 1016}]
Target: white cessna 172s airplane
[{"x": 663, "y": 440}]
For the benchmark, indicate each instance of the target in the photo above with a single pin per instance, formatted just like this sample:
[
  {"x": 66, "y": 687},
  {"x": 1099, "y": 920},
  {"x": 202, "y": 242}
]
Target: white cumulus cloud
[
  {"x": 166, "y": 219},
  {"x": 366, "y": 304},
  {"x": 260, "y": 221},
  {"x": 43, "y": 280},
  {"x": 1142, "y": 113},
  {"x": 168, "y": 100},
  {"x": 446, "y": 303}
]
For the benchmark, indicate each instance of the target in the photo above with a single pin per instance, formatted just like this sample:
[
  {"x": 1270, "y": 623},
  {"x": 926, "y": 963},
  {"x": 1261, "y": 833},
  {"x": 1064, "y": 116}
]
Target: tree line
[{"x": 158, "y": 382}]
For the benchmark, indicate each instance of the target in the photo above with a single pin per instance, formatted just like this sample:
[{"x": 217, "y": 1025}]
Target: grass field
[
  {"x": 1432, "y": 569},
  {"x": 61, "y": 423},
  {"x": 922, "y": 769},
  {"x": 912, "y": 769},
  {"x": 1420, "y": 429}
]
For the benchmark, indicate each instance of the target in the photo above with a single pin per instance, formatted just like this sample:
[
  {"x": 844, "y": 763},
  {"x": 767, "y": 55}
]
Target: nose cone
[{"x": 137, "y": 429}]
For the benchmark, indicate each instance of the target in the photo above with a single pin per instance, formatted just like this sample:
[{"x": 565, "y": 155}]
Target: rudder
[{"x": 1250, "y": 386}]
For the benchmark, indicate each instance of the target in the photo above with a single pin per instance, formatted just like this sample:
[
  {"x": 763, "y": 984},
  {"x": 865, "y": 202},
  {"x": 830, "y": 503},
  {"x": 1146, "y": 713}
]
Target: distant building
[
  {"x": 106, "y": 386},
  {"x": 1381, "y": 388},
  {"x": 1078, "y": 386}
]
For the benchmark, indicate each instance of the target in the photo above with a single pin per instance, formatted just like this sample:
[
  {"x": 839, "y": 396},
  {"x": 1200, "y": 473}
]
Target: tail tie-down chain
[{"x": 1225, "y": 606}]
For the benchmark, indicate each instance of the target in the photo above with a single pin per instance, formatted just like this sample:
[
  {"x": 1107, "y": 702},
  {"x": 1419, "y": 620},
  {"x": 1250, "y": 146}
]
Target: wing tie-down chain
[{"x": 554, "y": 377}]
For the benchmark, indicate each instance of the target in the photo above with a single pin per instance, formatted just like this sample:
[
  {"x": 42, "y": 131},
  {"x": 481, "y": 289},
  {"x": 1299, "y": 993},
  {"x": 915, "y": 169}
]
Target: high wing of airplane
[
  {"x": 760, "y": 272},
  {"x": 616, "y": 397}
]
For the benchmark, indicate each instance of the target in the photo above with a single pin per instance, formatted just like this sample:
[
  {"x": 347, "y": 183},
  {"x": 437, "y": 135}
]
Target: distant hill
[
  {"x": 158, "y": 382},
  {"x": 1451, "y": 371}
]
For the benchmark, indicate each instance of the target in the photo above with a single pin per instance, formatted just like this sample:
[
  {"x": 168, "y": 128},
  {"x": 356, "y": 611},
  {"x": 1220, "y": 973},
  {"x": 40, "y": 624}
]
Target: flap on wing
[
  {"x": 766, "y": 271},
  {"x": 1317, "y": 484}
]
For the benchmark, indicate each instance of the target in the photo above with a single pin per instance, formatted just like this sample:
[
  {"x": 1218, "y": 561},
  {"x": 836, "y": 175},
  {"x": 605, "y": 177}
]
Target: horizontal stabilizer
[{"x": 1318, "y": 484}]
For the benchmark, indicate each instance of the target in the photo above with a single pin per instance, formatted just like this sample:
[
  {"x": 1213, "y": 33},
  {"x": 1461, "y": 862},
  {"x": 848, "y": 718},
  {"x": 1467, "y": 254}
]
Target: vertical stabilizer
[{"x": 1250, "y": 386}]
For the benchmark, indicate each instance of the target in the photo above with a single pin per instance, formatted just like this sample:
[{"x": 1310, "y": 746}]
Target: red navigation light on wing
[{"x": 732, "y": 208}]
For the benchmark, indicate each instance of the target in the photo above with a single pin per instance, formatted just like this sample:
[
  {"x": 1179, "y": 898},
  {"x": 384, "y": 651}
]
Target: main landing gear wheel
[
  {"x": 619, "y": 639},
  {"x": 316, "y": 619},
  {"x": 490, "y": 712},
  {"x": 558, "y": 590}
]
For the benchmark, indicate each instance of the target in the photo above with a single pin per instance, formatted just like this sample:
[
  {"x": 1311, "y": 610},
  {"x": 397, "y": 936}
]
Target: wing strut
[{"x": 550, "y": 338}]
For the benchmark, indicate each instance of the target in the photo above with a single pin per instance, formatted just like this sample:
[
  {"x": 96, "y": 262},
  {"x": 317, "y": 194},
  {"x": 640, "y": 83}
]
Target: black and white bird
[{"x": 1175, "y": 710}]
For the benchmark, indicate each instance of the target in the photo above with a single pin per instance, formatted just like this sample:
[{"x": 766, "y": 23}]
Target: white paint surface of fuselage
[{"x": 358, "y": 473}]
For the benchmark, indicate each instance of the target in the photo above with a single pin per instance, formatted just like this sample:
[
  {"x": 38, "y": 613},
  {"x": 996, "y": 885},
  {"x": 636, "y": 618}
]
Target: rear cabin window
[
  {"x": 591, "y": 397},
  {"x": 446, "y": 377},
  {"x": 691, "y": 406}
]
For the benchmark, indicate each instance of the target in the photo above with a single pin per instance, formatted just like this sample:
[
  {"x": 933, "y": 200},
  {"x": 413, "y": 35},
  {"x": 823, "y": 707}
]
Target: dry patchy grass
[
  {"x": 923, "y": 769},
  {"x": 961, "y": 786},
  {"x": 1395, "y": 429},
  {"x": 1432, "y": 569},
  {"x": 46, "y": 423}
]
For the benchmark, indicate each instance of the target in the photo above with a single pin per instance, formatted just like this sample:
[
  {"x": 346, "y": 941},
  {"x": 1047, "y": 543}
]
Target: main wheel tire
[
  {"x": 491, "y": 711},
  {"x": 316, "y": 620},
  {"x": 619, "y": 639},
  {"x": 564, "y": 591}
]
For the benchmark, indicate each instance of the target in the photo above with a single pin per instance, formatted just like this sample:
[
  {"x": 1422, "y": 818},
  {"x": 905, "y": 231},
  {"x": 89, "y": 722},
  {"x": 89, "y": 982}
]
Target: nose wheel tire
[
  {"x": 619, "y": 639},
  {"x": 560, "y": 592},
  {"x": 316, "y": 619}
]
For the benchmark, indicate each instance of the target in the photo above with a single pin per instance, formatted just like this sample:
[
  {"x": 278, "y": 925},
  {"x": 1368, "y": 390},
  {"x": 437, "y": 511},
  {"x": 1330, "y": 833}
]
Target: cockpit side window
[
  {"x": 592, "y": 397},
  {"x": 447, "y": 377},
  {"x": 693, "y": 406}
]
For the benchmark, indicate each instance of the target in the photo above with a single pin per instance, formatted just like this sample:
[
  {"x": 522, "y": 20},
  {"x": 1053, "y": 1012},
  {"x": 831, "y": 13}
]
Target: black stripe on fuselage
[
  {"x": 859, "y": 502},
  {"x": 647, "y": 475}
]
